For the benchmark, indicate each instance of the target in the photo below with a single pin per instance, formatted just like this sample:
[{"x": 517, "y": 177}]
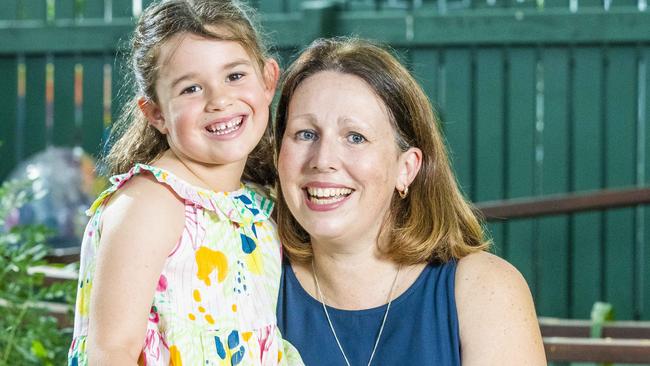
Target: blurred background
[{"x": 544, "y": 105}]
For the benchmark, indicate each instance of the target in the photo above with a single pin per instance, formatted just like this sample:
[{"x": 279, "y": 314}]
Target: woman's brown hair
[
  {"x": 434, "y": 222},
  {"x": 132, "y": 139}
]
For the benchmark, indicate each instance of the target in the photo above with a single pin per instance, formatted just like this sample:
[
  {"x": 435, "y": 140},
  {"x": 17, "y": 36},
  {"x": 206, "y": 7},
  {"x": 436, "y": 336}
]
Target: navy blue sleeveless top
[{"x": 421, "y": 328}]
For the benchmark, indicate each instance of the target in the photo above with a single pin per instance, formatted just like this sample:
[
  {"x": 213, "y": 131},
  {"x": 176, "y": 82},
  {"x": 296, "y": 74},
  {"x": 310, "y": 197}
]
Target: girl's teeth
[{"x": 224, "y": 128}]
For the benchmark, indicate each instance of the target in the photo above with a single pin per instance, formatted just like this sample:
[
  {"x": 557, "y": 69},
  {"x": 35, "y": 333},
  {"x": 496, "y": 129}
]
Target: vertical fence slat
[
  {"x": 8, "y": 9},
  {"x": 35, "y": 133},
  {"x": 8, "y": 105},
  {"x": 590, "y": 4},
  {"x": 92, "y": 123},
  {"x": 620, "y": 155},
  {"x": 146, "y": 3},
  {"x": 32, "y": 9},
  {"x": 587, "y": 175},
  {"x": 64, "y": 131},
  {"x": 64, "y": 9},
  {"x": 293, "y": 5},
  {"x": 622, "y": 3},
  {"x": 556, "y": 4},
  {"x": 92, "y": 9},
  {"x": 425, "y": 65},
  {"x": 553, "y": 293},
  {"x": 489, "y": 133},
  {"x": 122, "y": 8},
  {"x": 645, "y": 255},
  {"x": 455, "y": 113},
  {"x": 121, "y": 88},
  {"x": 520, "y": 162},
  {"x": 270, "y": 6}
]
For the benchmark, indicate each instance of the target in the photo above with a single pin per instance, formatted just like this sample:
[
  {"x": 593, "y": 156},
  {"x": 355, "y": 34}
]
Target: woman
[{"x": 386, "y": 260}]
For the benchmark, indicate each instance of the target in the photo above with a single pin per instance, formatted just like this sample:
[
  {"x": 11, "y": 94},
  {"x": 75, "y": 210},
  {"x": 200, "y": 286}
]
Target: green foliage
[{"x": 29, "y": 334}]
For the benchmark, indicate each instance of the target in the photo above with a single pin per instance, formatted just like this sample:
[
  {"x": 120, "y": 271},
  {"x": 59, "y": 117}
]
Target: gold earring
[{"x": 403, "y": 193}]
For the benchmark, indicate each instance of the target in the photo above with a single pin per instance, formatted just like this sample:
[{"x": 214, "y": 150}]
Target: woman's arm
[
  {"x": 140, "y": 227},
  {"x": 497, "y": 319}
]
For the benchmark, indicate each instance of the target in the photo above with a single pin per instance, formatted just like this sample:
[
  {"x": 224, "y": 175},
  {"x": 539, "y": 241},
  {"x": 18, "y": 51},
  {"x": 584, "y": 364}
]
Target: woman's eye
[
  {"x": 235, "y": 76},
  {"x": 191, "y": 89},
  {"x": 356, "y": 138},
  {"x": 306, "y": 135}
]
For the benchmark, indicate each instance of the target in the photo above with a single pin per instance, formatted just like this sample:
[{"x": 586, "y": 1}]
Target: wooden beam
[
  {"x": 563, "y": 204},
  {"x": 580, "y": 328},
  {"x": 603, "y": 350}
]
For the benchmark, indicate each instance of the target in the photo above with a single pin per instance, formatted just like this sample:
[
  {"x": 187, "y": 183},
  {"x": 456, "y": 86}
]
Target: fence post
[{"x": 319, "y": 19}]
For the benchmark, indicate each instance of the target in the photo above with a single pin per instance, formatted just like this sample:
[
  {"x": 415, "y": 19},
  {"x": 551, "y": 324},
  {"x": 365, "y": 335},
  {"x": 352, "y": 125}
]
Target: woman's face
[{"x": 339, "y": 164}]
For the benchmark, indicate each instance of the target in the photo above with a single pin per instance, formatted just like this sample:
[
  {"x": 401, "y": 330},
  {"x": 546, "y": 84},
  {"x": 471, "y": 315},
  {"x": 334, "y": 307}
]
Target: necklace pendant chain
[{"x": 329, "y": 320}]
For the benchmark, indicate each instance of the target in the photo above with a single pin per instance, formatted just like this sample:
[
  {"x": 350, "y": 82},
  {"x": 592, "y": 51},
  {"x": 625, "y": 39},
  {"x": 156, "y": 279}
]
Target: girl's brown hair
[
  {"x": 132, "y": 139},
  {"x": 434, "y": 222}
]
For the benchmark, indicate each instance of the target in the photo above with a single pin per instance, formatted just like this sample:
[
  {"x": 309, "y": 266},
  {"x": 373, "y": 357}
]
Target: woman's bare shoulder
[{"x": 497, "y": 319}]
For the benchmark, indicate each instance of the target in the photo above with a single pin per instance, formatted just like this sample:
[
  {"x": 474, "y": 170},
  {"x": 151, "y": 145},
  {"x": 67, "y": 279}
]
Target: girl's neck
[{"x": 218, "y": 178}]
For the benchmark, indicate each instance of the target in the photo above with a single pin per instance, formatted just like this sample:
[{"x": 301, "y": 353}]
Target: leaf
[{"x": 38, "y": 349}]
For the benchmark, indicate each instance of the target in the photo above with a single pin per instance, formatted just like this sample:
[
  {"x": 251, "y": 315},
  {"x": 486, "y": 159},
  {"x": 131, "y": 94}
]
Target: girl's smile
[{"x": 226, "y": 128}]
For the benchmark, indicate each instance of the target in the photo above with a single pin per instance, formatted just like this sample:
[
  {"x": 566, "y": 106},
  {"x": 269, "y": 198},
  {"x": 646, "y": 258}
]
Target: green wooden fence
[{"x": 536, "y": 98}]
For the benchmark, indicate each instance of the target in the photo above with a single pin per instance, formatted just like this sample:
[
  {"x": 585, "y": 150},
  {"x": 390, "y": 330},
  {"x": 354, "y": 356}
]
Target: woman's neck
[
  {"x": 353, "y": 279},
  {"x": 218, "y": 178}
]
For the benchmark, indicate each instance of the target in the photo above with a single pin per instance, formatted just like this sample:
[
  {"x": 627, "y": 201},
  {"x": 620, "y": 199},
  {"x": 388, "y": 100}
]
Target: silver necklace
[{"x": 329, "y": 321}]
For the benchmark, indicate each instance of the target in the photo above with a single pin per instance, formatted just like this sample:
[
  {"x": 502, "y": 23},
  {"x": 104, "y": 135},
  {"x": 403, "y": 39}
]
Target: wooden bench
[{"x": 567, "y": 340}]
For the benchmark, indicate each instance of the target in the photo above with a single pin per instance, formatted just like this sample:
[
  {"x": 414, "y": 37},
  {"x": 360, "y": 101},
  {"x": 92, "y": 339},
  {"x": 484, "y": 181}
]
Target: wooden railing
[
  {"x": 567, "y": 340},
  {"x": 563, "y": 204}
]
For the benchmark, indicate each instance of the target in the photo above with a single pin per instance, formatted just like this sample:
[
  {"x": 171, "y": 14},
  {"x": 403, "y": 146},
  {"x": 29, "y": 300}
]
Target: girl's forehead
[{"x": 189, "y": 46}]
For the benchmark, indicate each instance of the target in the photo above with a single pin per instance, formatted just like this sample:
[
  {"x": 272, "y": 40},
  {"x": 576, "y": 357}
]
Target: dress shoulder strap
[{"x": 246, "y": 205}]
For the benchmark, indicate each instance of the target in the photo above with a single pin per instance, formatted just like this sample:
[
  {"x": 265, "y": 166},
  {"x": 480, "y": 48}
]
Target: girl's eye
[
  {"x": 306, "y": 135},
  {"x": 192, "y": 89},
  {"x": 235, "y": 76},
  {"x": 356, "y": 138}
]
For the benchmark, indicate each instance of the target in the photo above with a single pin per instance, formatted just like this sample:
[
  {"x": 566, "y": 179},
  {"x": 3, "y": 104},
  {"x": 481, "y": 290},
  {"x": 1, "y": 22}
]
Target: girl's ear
[
  {"x": 271, "y": 77},
  {"x": 410, "y": 162},
  {"x": 153, "y": 114}
]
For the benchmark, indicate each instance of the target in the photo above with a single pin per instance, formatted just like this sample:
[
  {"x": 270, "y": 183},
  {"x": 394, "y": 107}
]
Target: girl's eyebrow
[
  {"x": 230, "y": 65},
  {"x": 183, "y": 77},
  {"x": 238, "y": 62}
]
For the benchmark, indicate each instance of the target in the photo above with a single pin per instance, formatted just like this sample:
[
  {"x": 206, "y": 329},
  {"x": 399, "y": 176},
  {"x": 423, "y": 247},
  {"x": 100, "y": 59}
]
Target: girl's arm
[
  {"x": 140, "y": 227},
  {"x": 497, "y": 319}
]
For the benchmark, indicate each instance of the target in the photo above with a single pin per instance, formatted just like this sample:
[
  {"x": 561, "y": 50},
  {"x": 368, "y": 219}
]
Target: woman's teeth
[
  {"x": 323, "y": 196},
  {"x": 223, "y": 128}
]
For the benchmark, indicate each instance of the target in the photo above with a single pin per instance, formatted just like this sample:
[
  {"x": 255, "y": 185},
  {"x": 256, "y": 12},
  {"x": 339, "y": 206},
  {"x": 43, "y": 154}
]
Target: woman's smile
[{"x": 322, "y": 196}]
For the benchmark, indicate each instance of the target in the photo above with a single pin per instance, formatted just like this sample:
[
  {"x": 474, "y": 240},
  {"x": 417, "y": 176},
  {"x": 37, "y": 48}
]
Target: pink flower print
[
  {"x": 155, "y": 348},
  {"x": 153, "y": 315},
  {"x": 162, "y": 283},
  {"x": 265, "y": 340}
]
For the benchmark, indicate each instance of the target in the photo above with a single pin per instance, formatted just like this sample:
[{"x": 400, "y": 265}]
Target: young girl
[{"x": 180, "y": 263}]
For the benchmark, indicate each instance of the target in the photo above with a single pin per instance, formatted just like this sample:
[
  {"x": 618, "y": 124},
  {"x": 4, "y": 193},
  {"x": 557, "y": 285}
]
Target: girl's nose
[{"x": 219, "y": 100}]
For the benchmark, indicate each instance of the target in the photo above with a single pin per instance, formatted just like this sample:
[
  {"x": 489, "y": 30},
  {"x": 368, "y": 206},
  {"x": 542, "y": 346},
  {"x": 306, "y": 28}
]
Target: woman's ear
[
  {"x": 271, "y": 77},
  {"x": 410, "y": 162},
  {"x": 153, "y": 114}
]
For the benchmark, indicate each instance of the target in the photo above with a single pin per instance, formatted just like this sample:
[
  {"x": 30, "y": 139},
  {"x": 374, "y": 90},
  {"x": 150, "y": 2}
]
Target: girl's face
[
  {"x": 339, "y": 164},
  {"x": 213, "y": 103}
]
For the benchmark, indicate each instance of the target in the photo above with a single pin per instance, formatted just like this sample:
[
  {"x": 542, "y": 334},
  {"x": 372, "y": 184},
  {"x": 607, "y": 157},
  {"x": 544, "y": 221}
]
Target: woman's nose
[{"x": 325, "y": 156}]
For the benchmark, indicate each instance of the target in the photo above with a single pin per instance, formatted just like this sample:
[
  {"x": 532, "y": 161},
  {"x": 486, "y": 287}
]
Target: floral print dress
[{"x": 216, "y": 297}]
